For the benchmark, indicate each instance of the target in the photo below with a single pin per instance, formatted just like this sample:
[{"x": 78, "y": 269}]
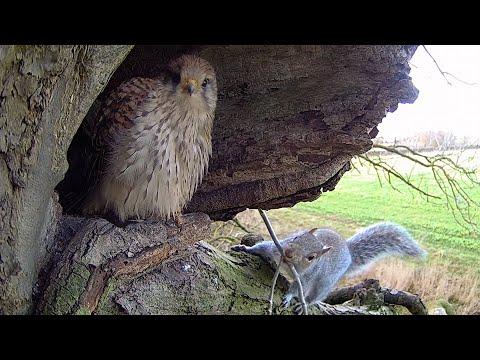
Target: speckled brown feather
[
  {"x": 120, "y": 109},
  {"x": 153, "y": 142}
]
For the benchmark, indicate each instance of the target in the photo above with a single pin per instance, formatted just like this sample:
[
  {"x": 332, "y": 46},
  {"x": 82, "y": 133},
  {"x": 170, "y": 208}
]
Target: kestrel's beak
[{"x": 191, "y": 85}]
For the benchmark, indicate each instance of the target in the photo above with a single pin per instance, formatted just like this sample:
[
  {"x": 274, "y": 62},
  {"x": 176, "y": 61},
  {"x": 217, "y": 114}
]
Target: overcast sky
[{"x": 439, "y": 106}]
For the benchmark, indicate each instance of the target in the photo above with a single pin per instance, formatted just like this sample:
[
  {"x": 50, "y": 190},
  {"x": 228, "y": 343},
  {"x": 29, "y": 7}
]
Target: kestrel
[{"x": 153, "y": 142}]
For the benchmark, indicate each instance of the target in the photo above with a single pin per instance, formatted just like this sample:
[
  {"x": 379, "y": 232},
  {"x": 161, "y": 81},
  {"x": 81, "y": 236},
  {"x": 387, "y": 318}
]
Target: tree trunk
[
  {"x": 289, "y": 120},
  {"x": 45, "y": 92}
]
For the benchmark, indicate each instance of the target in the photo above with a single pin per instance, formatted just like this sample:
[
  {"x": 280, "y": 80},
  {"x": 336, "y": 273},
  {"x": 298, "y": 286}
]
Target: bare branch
[
  {"x": 264, "y": 216},
  {"x": 444, "y": 73},
  {"x": 272, "y": 289},
  {"x": 462, "y": 81},
  {"x": 438, "y": 67},
  {"x": 412, "y": 302},
  {"x": 391, "y": 171},
  {"x": 240, "y": 225},
  {"x": 451, "y": 177}
]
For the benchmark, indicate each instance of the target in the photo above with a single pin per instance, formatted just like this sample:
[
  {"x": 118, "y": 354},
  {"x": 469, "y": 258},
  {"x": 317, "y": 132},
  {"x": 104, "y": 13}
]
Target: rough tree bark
[
  {"x": 45, "y": 92},
  {"x": 152, "y": 268},
  {"x": 289, "y": 120}
]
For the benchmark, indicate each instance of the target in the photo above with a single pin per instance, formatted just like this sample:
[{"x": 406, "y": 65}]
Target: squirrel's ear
[
  {"x": 313, "y": 231},
  {"x": 317, "y": 254},
  {"x": 325, "y": 249}
]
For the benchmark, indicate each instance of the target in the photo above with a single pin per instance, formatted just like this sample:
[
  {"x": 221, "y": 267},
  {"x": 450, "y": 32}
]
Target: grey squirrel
[{"x": 321, "y": 257}]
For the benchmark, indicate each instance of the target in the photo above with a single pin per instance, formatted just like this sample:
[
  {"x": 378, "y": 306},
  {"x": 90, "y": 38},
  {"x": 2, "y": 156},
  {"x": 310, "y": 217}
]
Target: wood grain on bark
[{"x": 100, "y": 253}]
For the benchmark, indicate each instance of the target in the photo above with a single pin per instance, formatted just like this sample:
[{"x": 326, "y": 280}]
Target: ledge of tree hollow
[{"x": 157, "y": 268}]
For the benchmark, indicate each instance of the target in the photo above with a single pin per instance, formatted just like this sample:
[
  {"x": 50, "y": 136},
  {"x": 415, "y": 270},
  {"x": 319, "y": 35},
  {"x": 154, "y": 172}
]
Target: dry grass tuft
[{"x": 434, "y": 283}]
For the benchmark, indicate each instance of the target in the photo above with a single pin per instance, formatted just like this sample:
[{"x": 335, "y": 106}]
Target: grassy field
[
  {"x": 451, "y": 275},
  {"x": 360, "y": 199}
]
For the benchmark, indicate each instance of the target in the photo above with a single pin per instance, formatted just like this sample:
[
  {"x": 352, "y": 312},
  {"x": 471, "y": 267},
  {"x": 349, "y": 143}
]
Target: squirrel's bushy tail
[{"x": 379, "y": 240}]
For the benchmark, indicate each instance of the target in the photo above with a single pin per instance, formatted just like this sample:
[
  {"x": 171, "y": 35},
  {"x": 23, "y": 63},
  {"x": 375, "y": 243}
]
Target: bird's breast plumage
[{"x": 156, "y": 155}]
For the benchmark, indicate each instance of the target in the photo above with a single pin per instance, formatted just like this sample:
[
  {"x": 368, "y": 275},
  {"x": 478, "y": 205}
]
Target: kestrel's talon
[{"x": 178, "y": 220}]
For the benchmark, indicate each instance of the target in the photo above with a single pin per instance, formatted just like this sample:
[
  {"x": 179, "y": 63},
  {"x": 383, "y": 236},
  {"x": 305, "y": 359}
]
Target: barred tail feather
[{"x": 378, "y": 241}]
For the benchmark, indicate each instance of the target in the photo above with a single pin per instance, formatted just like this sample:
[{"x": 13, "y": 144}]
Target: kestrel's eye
[
  {"x": 205, "y": 82},
  {"x": 176, "y": 78}
]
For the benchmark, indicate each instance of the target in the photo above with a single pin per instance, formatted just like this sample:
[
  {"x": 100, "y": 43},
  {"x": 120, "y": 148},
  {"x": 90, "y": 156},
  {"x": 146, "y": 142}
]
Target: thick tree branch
[
  {"x": 390, "y": 296},
  {"x": 152, "y": 268},
  {"x": 45, "y": 91}
]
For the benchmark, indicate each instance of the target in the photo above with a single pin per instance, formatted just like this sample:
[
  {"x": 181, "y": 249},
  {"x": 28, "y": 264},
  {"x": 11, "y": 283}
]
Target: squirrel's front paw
[
  {"x": 287, "y": 299},
  {"x": 239, "y": 248},
  {"x": 294, "y": 303},
  {"x": 297, "y": 308}
]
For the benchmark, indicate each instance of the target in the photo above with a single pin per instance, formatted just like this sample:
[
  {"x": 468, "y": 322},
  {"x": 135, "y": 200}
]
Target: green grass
[{"x": 360, "y": 199}]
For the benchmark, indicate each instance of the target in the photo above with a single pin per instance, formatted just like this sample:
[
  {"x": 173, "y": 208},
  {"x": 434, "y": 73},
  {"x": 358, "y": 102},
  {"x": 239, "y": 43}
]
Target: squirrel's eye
[
  {"x": 310, "y": 257},
  {"x": 176, "y": 78},
  {"x": 288, "y": 253},
  {"x": 205, "y": 82}
]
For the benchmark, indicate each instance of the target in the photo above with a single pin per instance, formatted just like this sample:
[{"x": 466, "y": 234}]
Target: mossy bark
[
  {"x": 151, "y": 268},
  {"x": 159, "y": 268}
]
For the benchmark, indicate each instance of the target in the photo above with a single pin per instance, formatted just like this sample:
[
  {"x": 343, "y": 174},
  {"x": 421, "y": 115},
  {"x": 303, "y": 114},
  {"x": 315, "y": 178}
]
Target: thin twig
[
  {"x": 272, "y": 290},
  {"x": 264, "y": 216},
  {"x": 241, "y": 226},
  {"x": 438, "y": 67},
  {"x": 446, "y": 72},
  {"x": 462, "y": 81},
  {"x": 396, "y": 174},
  {"x": 450, "y": 176},
  {"x": 230, "y": 238}
]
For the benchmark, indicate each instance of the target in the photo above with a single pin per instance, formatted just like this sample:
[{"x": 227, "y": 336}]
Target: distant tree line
[{"x": 432, "y": 140}]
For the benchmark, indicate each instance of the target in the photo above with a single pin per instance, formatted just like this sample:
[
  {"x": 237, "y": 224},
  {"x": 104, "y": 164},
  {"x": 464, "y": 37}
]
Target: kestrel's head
[{"x": 194, "y": 81}]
